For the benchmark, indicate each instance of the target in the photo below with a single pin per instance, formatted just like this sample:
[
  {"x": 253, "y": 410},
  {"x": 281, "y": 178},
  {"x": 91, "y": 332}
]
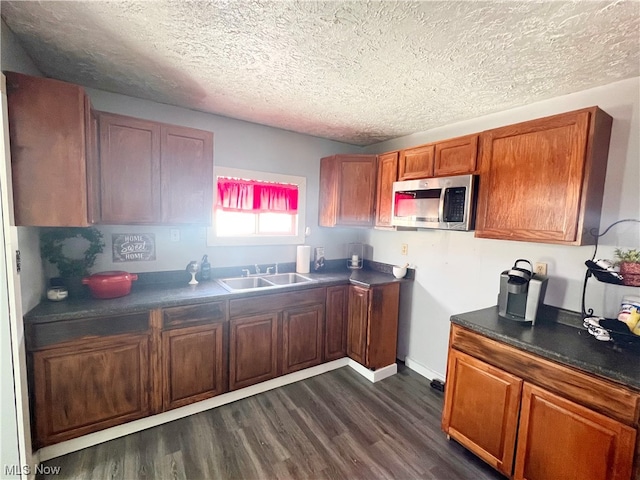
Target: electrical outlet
[
  {"x": 540, "y": 268},
  {"x": 404, "y": 249},
  {"x": 175, "y": 235}
]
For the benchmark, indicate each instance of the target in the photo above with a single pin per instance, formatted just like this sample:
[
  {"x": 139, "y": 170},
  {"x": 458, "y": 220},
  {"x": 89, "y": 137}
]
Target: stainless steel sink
[
  {"x": 287, "y": 278},
  {"x": 245, "y": 283},
  {"x": 250, "y": 284}
]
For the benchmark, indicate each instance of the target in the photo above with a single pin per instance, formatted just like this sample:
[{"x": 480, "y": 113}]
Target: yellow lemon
[{"x": 633, "y": 320}]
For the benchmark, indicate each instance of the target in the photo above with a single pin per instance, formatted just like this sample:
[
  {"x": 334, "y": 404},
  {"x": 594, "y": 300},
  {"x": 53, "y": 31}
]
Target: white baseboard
[
  {"x": 75, "y": 444},
  {"x": 374, "y": 375},
  {"x": 422, "y": 370}
]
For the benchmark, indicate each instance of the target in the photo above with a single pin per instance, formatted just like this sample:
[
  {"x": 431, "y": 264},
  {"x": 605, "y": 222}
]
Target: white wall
[{"x": 456, "y": 272}]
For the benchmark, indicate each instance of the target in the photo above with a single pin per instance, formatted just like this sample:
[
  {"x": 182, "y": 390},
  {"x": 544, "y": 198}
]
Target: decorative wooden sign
[{"x": 133, "y": 247}]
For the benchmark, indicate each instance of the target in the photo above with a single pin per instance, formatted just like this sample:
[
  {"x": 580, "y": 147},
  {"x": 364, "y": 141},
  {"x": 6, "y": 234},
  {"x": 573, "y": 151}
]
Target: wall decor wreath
[{"x": 52, "y": 242}]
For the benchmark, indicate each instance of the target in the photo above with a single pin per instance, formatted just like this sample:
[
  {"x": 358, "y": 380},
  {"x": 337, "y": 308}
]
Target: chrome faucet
[
  {"x": 245, "y": 272},
  {"x": 258, "y": 272}
]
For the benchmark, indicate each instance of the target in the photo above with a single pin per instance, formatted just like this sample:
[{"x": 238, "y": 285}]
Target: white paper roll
[{"x": 303, "y": 258}]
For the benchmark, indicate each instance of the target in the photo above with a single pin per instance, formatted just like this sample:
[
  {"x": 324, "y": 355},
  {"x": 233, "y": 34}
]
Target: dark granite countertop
[
  {"x": 560, "y": 339},
  {"x": 150, "y": 296}
]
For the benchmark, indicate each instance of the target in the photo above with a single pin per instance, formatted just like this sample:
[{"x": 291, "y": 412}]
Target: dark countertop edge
[
  {"x": 608, "y": 374},
  {"x": 150, "y": 297}
]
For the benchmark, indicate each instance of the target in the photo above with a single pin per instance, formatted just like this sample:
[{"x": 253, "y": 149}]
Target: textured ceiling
[{"x": 358, "y": 72}]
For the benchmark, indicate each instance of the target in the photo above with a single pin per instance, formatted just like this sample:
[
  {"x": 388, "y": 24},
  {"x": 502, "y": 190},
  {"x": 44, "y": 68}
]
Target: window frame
[{"x": 213, "y": 240}]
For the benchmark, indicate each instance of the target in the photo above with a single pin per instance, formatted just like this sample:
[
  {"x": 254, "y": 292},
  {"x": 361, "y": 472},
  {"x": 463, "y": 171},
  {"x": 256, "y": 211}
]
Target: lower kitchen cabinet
[
  {"x": 288, "y": 338},
  {"x": 358, "y": 321},
  {"x": 88, "y": 374},
  {"x": 533, "y": 419},
  {"x": 372, "y": 331},
  {"x": 561, "y": 439},
  {"x": 194, "y": 353},
  {"x": 336, "y": 311},
  {"x": 193, "y": 364},
  {"x": 481, "y": 409},
  {"x": 302, "y": 339},
  {"x": 253, "y": 350},
  {"x": 85, "y": 386}
]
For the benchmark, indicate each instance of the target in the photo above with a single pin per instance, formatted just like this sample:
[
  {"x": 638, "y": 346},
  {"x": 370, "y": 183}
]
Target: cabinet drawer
[
  {"x": 601, "y": 395},
  {"x": 175, "y": 317},
  {"x": 275, "y": 302},
  {"x": 41, "y": 335}
]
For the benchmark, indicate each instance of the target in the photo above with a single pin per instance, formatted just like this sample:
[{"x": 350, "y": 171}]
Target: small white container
[
  {"x": 399, "y": 272},
  {"x": 56, "y": 294}
]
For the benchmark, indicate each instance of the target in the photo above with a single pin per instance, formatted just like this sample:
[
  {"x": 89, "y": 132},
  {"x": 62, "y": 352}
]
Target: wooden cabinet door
[
  {"x": 186, "y": 171},
  {"x": 416, "y": 162},
  {"x": 129, "y": 170},
  {"x": 193, "y": 364},
  {"x": 387, "y": 174},
  {"x": 358, "y": 324},
  {"x": 539, "y": 183},
  {"x": 382, "y": 337},
  {"x": 49, "y": 139},
  {"x": 335, "y": 339},
  {"x": 559, "y": 439},
  {"x": 302, "y": 337},
  {"x": 456, "y": 156},
  {"x": 357, "y": 191},
  {"x": 253, "y": 350},
  {"x": 347, "y": 190},
  {"x": 481, "y": 409},
  {"x": 90, "y": 385}
]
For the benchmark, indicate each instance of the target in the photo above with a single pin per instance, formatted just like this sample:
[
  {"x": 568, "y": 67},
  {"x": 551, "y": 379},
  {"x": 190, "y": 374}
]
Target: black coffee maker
[{"x": 521, "y": 292}]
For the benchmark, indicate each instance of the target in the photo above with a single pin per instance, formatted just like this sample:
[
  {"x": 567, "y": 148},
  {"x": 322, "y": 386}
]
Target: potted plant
[
  {"x": 629, "y": 263},
  {"x": 71, "y": 270}
]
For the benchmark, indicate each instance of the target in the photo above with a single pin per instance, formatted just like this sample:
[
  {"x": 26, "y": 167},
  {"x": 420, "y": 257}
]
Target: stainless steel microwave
[{"x": 446, "y": 203}]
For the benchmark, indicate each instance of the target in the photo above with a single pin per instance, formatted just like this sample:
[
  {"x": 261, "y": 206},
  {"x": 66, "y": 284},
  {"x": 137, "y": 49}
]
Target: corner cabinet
[
  {"x": 53, "y": 138},
  {"x": 543, "y": 180},
  {"x": 347, "y": 191},
  {"x": 533, "y": 419},
  {"x": 89, "y": 374},
  {"x": 153, "y": 173},
  {"x": 372, "y": 331}
]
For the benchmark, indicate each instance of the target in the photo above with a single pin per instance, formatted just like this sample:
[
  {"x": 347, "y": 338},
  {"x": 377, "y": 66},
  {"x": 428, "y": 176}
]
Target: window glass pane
[
  {"x": 276, "y": 223},
  {"x": 234, "y": 224}
]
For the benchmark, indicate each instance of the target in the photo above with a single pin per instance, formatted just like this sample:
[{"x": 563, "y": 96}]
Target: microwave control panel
[{"x": 454, "y": 204}]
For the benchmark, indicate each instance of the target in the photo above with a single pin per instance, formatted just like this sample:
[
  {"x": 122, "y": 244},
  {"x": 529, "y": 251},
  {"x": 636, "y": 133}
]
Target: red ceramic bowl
[{"x": 110, "y": 284}]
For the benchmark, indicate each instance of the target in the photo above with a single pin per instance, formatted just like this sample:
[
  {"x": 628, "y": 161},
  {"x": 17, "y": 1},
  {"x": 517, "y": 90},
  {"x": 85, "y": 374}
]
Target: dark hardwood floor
[{"x": 333, "y": 426}]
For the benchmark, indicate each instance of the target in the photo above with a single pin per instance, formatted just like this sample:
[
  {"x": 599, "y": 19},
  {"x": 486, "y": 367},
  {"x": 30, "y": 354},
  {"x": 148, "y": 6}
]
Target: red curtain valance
[{"x": 238, "y": 195}]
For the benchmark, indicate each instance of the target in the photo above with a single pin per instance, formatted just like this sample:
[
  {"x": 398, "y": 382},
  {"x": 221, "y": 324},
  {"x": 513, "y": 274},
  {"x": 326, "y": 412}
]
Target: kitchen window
[{"x": 257, "y": 208}]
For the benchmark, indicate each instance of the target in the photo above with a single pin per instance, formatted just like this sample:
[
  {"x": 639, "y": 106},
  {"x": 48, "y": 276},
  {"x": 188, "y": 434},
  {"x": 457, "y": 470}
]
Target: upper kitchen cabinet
[
  {"x": 347, "y": 191},
  {"x": 416, "y": 162},
  {"x": 456, "y": 156},
  {"x": 152, "y": 173},
  {"x": 53, "y": 136},
  {"x": 387, "y": 174},
  {"x": 542, "y": 180}
]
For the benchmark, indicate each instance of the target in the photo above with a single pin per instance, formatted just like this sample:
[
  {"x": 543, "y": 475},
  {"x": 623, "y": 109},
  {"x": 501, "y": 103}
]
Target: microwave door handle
[{"x": 441, "y": 206}]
